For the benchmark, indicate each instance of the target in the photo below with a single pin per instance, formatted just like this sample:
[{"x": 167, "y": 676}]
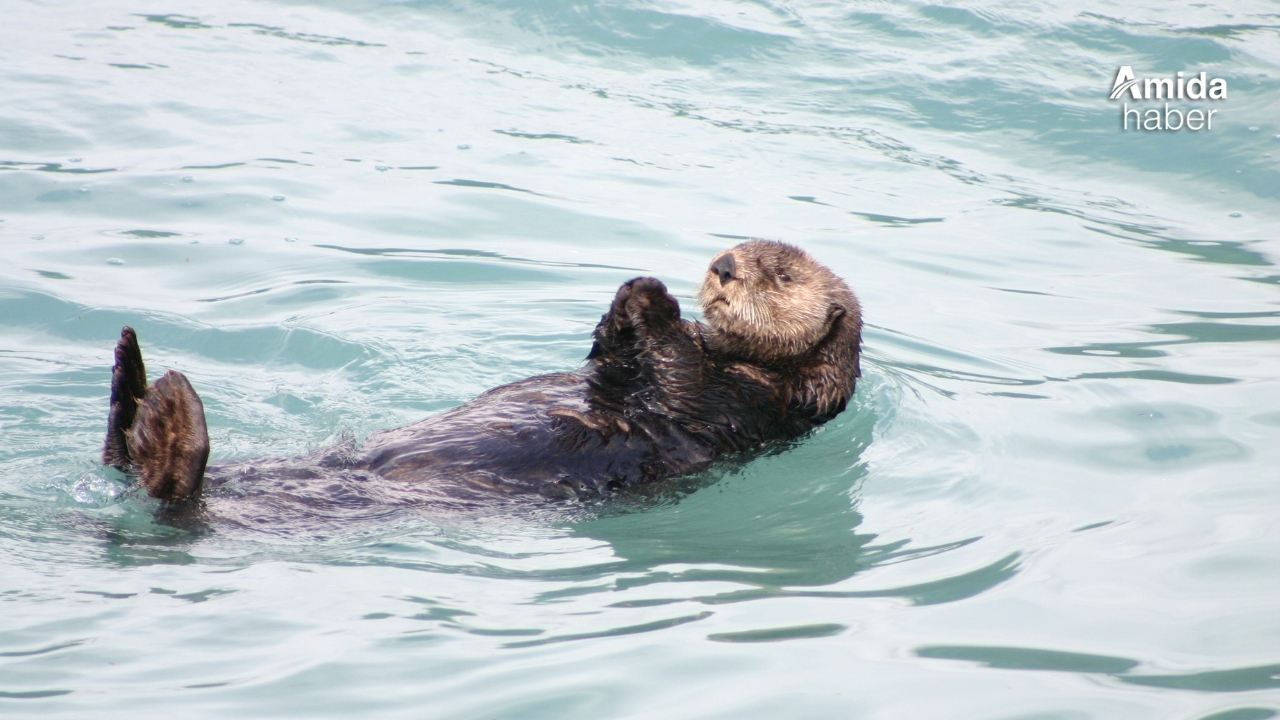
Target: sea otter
[{"x": 658, "y": 396}]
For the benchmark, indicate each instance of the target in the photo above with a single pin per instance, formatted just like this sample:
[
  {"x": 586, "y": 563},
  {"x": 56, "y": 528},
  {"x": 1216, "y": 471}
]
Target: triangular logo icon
[{"x": 1125, "y": 81}]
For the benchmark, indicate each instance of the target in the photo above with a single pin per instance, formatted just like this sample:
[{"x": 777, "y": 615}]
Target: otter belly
[{"x": 545, "y": 435}]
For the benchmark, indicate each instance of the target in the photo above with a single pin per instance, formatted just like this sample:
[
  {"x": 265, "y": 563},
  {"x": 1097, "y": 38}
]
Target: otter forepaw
[
  {"x": 621, "y": 319},
  {"x": 642, "y": 308},
  {"x": 650, "y": 306},
  {"x": 613, "y": 334}
]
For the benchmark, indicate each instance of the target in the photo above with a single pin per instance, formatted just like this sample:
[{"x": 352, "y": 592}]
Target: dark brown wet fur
[
  {"x": 659, "y": 396},
  {"x": 128, "y": 385},
  {"x": 156, "y": 432}
]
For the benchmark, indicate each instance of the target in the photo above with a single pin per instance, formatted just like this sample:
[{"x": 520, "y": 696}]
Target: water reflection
[
  {"x": 1241, "y": 679},
  {"x": 783, "y": 525},
  {"x": 1187, "y": 332}
]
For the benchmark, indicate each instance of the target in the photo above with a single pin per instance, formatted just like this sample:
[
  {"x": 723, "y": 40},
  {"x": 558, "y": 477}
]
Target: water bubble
[
  {"x": 278, "y": 198},
  {"x": 187, "y": 178},
  {"x": 84, "y": 189},
  {"x": 114, "y": 261},
  {"x": 291, "y": 239},
  {"x": 464, "y": 146},
  {"x": 195, "y": 242},
  {"x": 73, "y": 159},
  {"x": 37, "y": 237},
  {"x": 95, "y": 490},
  {"x": 1235, "y": 214},
  {"x": 236, "y": 241},
  {"x": 382, "y": 168},
  {"x": 1253, "y": 128}
]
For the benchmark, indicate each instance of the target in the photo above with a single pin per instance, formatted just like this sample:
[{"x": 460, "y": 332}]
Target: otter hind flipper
[
  {"x": 169, "y": 443},
  {"x": 128, "y": 386}
]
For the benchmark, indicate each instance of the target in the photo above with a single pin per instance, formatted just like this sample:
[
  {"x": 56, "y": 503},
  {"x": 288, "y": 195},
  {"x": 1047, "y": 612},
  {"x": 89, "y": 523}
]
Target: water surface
[{"x": 1054, "y": 495}]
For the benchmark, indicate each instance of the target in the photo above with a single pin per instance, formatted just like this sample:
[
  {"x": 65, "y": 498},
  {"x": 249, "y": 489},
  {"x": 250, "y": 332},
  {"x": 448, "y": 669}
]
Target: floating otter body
[{"x": 658, "y": 396}]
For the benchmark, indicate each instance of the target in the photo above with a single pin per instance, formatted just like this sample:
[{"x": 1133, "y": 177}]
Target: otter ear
[{"x": 836, "y": 313}]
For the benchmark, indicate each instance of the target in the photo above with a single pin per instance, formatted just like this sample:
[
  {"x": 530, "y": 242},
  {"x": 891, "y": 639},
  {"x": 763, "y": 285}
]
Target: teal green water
[{"x": 1055, "y": 495}]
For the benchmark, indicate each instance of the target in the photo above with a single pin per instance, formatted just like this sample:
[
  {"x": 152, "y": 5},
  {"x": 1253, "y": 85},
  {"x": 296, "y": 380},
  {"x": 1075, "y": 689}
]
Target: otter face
[{"x": 771, "y": 300}]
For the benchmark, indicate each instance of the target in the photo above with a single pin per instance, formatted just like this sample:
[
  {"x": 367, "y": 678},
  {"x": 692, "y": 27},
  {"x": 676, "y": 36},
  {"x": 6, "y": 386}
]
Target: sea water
[{"x": 1056, "y": 493}]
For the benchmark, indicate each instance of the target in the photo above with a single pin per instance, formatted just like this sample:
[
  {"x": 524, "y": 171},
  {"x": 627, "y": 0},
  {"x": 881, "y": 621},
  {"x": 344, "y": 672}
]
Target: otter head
[{"x": 771, "y": 301}]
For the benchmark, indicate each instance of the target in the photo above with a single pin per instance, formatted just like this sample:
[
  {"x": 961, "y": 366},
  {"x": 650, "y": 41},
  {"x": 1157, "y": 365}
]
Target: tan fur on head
[{"x": 771, "y": 301}]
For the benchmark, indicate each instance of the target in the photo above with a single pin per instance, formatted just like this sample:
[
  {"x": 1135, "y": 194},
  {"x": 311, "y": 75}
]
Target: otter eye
[{"x": 784, "y": 277}]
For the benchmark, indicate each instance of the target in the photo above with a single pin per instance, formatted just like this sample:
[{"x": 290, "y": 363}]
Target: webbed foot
[
  {"x": 156, "y": 431},
  {"x": 128, "y": 385}
]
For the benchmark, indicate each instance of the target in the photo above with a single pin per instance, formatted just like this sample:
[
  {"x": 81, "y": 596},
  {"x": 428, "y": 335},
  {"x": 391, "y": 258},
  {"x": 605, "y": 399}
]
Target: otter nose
[{"x": 724, "y": 266}]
